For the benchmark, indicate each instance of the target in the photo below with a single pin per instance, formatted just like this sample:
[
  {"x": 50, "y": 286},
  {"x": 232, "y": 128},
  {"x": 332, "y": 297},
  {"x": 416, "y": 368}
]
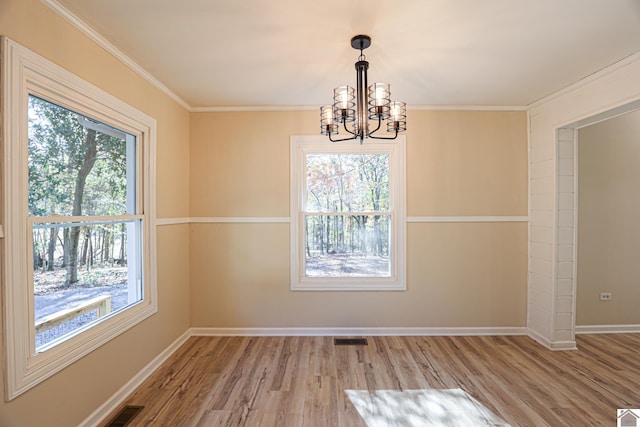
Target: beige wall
[
  {"x": 237, "y": 164},
  {"x": 461, "y": 274},
  {"x": 608, "y": 230},
  {"x": 71, "y": 395}
]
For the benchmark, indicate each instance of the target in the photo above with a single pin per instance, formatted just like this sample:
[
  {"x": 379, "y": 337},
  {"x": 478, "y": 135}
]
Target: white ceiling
[{"x": 224, "y": 53}]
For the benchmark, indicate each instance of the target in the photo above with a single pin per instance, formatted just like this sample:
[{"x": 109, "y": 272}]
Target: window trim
[
  {"x": 24, "y": 73},
  {"x": 302, "y": 145}
]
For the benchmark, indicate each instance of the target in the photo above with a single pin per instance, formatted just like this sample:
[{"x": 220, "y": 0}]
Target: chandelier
[{"x": 353, "y": 108}]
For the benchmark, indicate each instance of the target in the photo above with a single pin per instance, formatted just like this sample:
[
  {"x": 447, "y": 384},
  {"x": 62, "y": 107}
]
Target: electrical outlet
[{"x": 605, "y": 296}]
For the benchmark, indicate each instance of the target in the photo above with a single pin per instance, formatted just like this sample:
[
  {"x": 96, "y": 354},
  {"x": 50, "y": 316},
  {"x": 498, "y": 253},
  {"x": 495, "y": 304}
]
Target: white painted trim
[
  {"x": 607, "y": 329},
  {"x": 222, "y": 220},
  {"x": 24, "y": 73},
  {"x": 236, "y": 219},
  {"x": 360, "y": 331},
  {"x": 618, "y": 110},
  {"x": 534, "y": 335},
  {"x": 247, "y": 108},
  {"x": 125, "y": 391},
  {"x": 523, "y": 218},
  {"x": 561, "y": 136},
  {"x": 574, "y": 279},
  {"x": 109, "y": 47},
  {"x": 467, "y": 107},
  {"x": 563, "y": 345},
  {"x": 284, "y": 219},
  {"x": 172, "y": 221},
  {"x": 586, "y": 80},
  {"x": 529, "y": 213},
  {"x": 317, "y": 107},
  {"x": 551, "y": 345}
]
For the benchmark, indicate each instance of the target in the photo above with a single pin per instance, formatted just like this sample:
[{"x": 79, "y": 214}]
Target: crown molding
[
  {"x": 587, "y": 80},
  {"x": 317, "y": 107},
  {"x": 255, "y": 108},
  {"x": 106, "y": 45},
  {"x": 467, "y": 107}
]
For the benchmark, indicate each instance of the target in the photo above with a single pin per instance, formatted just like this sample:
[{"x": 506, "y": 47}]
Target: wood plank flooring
[{"x": 395, "y": 381}]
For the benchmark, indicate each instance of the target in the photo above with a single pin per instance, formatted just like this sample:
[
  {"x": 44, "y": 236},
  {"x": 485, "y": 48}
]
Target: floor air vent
[
  {"x": 349, "y": 341},
  {"x": 125, "y": 416}
]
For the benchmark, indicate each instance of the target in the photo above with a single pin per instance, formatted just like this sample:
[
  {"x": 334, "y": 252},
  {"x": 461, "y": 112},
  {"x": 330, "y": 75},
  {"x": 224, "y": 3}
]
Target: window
[
  {"x": 83, "y": 216},
  {"x": 347, "y": 215},
  {"x": 79, "y": 245}
]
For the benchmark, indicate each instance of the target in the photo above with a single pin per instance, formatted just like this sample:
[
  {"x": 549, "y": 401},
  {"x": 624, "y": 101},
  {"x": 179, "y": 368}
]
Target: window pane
[
  {"x": 77, "y": 165},
  {"x": 347, "y": 246},
  {"x": 347, "y": 183},
  {"x": 82, "y": 273}
]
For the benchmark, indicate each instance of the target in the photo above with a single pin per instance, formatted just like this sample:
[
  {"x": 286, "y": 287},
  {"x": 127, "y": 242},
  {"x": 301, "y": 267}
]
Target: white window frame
[
  {"x": 300, "y": 146},
  {"x": 25, "y": 73}
]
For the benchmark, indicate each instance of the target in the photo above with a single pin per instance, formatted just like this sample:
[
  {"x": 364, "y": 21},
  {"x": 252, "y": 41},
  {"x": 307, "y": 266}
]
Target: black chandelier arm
[
  {"x": 383, "y": 137},
  {"x": 379, "y": 124},
  {"x": 369, "y": 135},
  {"x": 344, "y": 125},
  {"x": 343, "y": 139}
]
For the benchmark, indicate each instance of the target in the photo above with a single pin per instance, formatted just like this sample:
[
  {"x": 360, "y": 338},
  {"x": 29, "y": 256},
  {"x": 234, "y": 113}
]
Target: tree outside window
[
  {"x": 82, "y": 207},
  {"x": 346, "y": 231}
]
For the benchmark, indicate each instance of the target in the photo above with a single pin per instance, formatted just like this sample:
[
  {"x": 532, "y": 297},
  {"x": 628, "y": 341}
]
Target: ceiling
[{"x": 285, "y": 53}]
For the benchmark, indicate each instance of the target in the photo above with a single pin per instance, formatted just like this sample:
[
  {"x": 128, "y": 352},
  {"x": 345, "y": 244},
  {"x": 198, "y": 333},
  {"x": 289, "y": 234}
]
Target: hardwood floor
[{"x": 395, "y": 381}]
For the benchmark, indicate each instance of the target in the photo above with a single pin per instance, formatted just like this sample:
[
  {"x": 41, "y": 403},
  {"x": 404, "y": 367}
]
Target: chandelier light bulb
[
  {"x": 328, "y": 125},
  {"x": 329, "y": 115},
  {"x": 379, "y": 93},
  {"x": 344, "y": 98}
]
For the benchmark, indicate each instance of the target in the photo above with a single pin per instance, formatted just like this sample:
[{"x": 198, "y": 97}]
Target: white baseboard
[
  {"x": 114, "y": 401},
  {"x": 552, "y": 345},
  {"x": 607, "y": 329},
  {"x": 563, "y": 345},
  {"x": 358, "y": 331}
]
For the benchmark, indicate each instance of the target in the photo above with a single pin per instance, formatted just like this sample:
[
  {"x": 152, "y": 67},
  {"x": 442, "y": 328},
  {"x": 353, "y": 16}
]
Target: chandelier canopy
[{"x": 353, "y": 108}]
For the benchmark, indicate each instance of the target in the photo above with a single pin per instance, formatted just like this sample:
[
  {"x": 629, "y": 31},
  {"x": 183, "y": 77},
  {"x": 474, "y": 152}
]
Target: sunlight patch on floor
[{"x": 422, "y": 408}]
